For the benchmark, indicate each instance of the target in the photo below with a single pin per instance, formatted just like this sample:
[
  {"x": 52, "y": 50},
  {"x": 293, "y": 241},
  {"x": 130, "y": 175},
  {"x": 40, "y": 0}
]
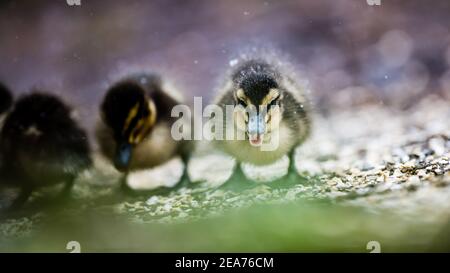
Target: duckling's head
[
  {"x": 259, "y": 100},
  {"x": 5, "y": 99},
  {"x": 38, "y": 114},
  {"x": 131, "y": 115}
]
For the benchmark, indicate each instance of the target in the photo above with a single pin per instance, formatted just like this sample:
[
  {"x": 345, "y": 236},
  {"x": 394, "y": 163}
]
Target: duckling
[
  {"x": 42, "y": 145},
  {"x": 134, "y": 132},
  {"x": 270, "y": 110}
]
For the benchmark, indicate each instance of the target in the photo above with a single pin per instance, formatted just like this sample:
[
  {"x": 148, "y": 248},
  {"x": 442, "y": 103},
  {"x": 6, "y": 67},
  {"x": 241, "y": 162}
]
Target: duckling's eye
[
  {"x": 241, "y": 97},
  {"x": 241, "y": 102},
  {"x": 137, "y": 133},
  {"x": 274, "y": 102}
]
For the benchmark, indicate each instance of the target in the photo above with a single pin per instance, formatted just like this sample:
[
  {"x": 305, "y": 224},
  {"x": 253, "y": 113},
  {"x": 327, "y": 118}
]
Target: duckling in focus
[
  {"x": 42, "y": 145},
  {"x": 134, "y": 132},
  {"x": 271, "y": 112}
]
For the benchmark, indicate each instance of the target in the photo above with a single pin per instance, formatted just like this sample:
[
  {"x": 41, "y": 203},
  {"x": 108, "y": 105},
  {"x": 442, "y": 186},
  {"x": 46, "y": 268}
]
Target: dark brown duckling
[{"x": 42, "y": 145}]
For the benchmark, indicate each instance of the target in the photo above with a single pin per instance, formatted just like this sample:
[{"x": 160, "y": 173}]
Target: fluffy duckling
[
  {"x": 135, "y": 128},
  {"x": 271, "y": 114},
  {"x": 42, "y": 145}
]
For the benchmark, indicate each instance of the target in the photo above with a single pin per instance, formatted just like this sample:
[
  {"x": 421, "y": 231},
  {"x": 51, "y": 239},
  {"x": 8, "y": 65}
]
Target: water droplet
[{"x": 233, "y": 62}]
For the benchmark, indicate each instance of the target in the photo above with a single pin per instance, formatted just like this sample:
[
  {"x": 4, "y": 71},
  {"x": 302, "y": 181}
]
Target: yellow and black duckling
[
  {"x": 42, "y": 145},
  {"x": 135, "y": 128},
  {"x": 272, "y": 113}
]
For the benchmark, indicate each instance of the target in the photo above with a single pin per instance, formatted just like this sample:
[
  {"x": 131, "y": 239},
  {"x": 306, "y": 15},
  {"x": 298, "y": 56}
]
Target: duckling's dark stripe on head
[
  {"x": 258, "y": 87},
  {"x": 119, "y": 101},
  {"x": 256, "y": 79},
  {"x": 131, "y": 115},
  {"x": 131, "y": 124},
  {"x": 143, "y": 111}
]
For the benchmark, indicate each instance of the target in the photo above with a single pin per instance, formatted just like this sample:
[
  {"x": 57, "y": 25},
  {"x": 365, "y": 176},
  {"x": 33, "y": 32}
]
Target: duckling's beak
[
  {"x": 256, "y": 127},
  {"x": 123, "y": 156}
]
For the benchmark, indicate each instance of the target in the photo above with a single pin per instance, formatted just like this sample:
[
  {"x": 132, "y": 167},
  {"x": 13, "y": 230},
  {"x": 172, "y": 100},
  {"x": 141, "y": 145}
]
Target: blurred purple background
[{"x": 398, "y": 51}]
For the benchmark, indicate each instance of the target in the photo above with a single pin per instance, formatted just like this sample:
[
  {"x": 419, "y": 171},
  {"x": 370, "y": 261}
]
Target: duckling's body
[
  {"x": 281, "y": 122},
  {"x": 135, "y": 130},
  {"x": 42, "y": 145}
]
